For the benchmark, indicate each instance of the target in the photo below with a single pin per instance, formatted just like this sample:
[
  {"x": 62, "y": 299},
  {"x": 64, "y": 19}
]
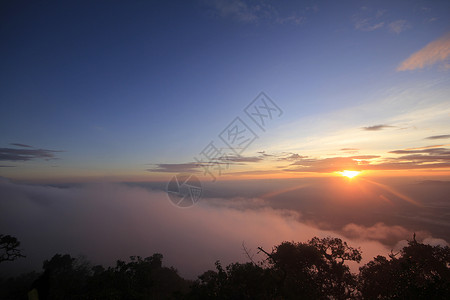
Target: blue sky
[{"x": 117, "y": 86}]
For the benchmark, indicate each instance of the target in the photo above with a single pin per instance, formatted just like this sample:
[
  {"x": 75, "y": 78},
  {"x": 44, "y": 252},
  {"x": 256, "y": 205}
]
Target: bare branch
[{"x": 247, "y": 253}]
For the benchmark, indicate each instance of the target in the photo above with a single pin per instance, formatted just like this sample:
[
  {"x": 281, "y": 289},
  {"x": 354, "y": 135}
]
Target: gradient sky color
[
  {"x": 103, "y": 102},
  {"x": 133, "y": 91}
]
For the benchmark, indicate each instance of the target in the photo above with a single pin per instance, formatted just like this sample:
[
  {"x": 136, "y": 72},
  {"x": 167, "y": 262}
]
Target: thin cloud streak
[
  {"x": 11, "y": 154},
  {"x": 176, "y": 168},
  {"x": 376, "y": 127},
  {"x": 429, "y": 158},
  {"x": 257, "y": 12},
  {"x": 428, "y": 147},
  {"x": 194, "y": 167},
  {"x": 21, "y": 145},
  {"x": 420, "y": 158},
  {"x": 434, "y": 52},
  {"x": 444, "y": 151},
  {"x": 364, "y": 25},
  {"x": 241, "y": 159},
  {"x": 235, "y": 9},
  {"x": 437, "y": 137},
  {"x": 293, "y": 156}
]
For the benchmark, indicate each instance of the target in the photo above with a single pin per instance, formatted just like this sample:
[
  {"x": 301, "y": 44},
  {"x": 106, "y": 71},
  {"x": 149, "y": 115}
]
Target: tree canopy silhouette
[
  {"x": 418, "y": 271},
  {"x": 9, "y": 248},
  {"x": 311, "y": 270},
  {"x": 316, "y": 269}
]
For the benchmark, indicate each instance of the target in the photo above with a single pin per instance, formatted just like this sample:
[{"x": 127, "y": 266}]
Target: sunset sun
[{"x": 349, "y": 174}]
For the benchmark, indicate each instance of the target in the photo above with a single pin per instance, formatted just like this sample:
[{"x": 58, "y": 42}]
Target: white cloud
[{"x": 377, "y": 232}]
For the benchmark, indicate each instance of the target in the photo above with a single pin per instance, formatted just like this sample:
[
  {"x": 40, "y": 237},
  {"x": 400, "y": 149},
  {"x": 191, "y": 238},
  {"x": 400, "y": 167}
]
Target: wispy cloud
[
  {"x": 257, "y": 11},
  {"x": 428, "y": 151},
  {"x": 325, "y": 165},
  {"x": 376, "y": 127},
  {"x": 437, "y": 137},
  {"x": 368, "y": 20},
  {"x": 408, "y": 159},
  {"x": 11, "y": 154},
  {"x": 241, "y": 159},
  {"x": 435, "y": 52},
  {"x": 431, "y": 158},
  {"x": 399, "y": 26},
  {"x": 21, "y": 145},
  {"x": 367, "y": 25},
  {"x": 427, "y": 147},
  {"x": 263, "y": 153},
  {"x": 176, "y": 168},
  {"x": 379, "y": 231},
  {"x": 194, "y": 167},
  {"x": 293, "y": 156},
  {"x": 408, "y": 165},
  {"x": 293, "y": 19},
  {"x": 236, "y": 9}
]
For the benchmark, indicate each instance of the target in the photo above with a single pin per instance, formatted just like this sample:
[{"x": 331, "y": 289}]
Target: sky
[{"x": 264, "y": 101}]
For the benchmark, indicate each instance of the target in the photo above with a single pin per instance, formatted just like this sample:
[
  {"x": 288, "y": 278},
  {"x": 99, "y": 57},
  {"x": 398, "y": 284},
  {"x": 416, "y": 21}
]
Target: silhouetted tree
[
  {"x": 418, "y": 271},
  {"x": 9, "y": 248},
  {"x": 67, "y": 276},
  {"x": 141, "y": 278},
  {"x": 236, "y": 281},
  {"x": 42, "y": 286},
  {"x": 314, "y": 270},
  {"x": 17, "y": 287}
]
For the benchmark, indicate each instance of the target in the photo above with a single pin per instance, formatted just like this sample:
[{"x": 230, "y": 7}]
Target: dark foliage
[
  {"x": 65, "y": 277},
  {"x": 237, "y": 281},
  {"x": 9, "y": 248},
  {"x": 315, "y": 269},
  {"x": 418, "y": 271}
]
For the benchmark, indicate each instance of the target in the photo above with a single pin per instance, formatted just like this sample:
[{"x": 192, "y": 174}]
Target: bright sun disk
[{"x": 349, "y": 174}]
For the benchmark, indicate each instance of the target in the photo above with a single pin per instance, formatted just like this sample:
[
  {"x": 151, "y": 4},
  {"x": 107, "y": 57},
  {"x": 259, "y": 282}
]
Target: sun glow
[{"x": 349, "y": 174}]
